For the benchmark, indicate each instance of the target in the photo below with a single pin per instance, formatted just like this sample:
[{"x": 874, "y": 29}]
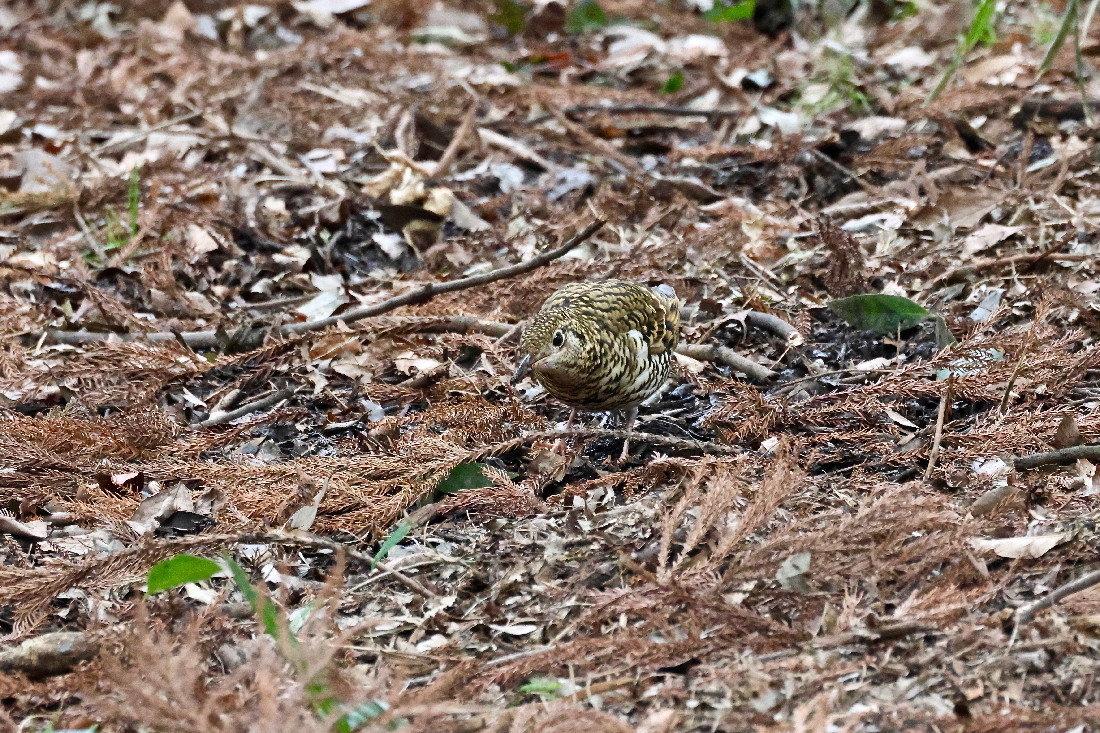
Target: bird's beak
[{"x": 522, "y": 369}]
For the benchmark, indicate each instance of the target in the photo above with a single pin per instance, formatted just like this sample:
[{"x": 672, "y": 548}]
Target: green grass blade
[
  {"x": 133, "y": 199},
  {"x": 1069, "y": 20},
  {"x": 981, "y": 30},
  {"x": 391, "y": 542}
]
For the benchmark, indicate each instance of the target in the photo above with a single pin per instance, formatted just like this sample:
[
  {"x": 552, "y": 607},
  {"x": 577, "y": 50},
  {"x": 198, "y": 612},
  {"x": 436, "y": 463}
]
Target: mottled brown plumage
[{"x": 605, "y": 345}]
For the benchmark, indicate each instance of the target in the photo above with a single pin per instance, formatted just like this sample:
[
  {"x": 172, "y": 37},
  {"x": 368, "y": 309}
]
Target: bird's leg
[
  {"x": 631, "y": 416},
  {"x": 559, "y": 447}
]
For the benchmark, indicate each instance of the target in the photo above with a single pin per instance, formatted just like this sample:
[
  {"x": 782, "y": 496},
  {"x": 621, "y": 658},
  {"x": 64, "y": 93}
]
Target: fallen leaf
[
  {"x": 515, "y": 629},
  {"x": 986, "y": 236},
  {"x": 1018, "y": 547}
]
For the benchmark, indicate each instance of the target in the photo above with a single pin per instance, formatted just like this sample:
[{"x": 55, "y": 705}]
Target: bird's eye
[{"x": 559, "y": 340}]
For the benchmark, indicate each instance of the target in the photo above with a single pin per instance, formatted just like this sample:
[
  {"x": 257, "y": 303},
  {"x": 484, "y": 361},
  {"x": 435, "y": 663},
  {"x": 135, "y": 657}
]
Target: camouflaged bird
[{"x": 602, "y": 346}]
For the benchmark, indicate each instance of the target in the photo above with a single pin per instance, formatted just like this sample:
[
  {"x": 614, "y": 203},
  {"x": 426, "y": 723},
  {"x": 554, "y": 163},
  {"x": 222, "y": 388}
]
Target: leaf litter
[{"x": 222, "y": 229}]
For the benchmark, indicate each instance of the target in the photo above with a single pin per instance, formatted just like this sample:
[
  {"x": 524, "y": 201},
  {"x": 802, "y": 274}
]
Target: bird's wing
[
  {"x": 637, "y": 308},
  {"x": 667, "y": 334}
]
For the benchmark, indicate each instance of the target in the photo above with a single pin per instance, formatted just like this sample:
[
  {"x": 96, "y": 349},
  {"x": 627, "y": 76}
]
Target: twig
[
  {"x": 138, "y": 137},
  {"x": 598, "y": 146},
  {"x": 219, "y": 418},
  {"x": 702, "y": 446},
  {"x": 776, "y": 325},
  {"x": 897, "y": 630},
  {"x": 451, "y": 153},
  {"x": 1020, "y": 361},
  {"x": 656, "y": 109},
  {"x": 851, "y": 370},
  {"x": 728, "y": 357},
  {"x": 941, "y": 415},
  {"x": 309, "y": 539},
  {"x": 209, "y": 339},
  {"x": 426, "y": 292},
  {"x": 846, "y": 171},
  {"x": 1024, "y": 614},
  {"x": 1062, "y": 455},
  {"x": 52, "y": 653},
  {"x": 975, "y": 265},
  {"x": 507, "y": 144}
]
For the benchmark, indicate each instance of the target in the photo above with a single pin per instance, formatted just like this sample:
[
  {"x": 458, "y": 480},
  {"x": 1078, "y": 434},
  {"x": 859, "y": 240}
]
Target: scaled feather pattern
[{"x": 605, "y": 345}]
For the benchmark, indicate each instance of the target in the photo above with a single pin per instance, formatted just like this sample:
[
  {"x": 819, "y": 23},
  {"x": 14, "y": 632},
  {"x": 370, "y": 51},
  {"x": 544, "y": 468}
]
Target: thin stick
[
  {"x": 300, "y": 537},
  {"x": 421, "y": 294},
  {"x": 945, "y": 406},
  {"x": 507, "y": 144},
  {"x": 1063, "y": 455},
  {"x": 206, "y": 339},
  {"x": 598, "y": 146},
  {"x": 655, "y": 109},
  {"x": 728, "y": 357},
  {"x": 138, "y": 137},
  {"x": 220, "y": 418},
  {"x": 209, "y": 339},
  {"x": 1024, "y": 614},
  {"x": 851, "y": 370},
  {"x": 451, "y": 153},
  {"x": 846, "y": 171}
]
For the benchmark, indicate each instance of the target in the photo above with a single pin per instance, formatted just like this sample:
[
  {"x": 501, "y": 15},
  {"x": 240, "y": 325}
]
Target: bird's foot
[{"x": 625, "y": 455}]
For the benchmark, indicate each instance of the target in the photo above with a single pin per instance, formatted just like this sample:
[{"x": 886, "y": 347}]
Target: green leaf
[
  {"x": 361, "y": 714},
  {"x": 586, "y": 16},
  {"x": 175, "y": 571},
  {"x": 510, "y": 15},
  {"x": 877, "y": 312},
  {"x": 674, "y": 83},
  {"x": 391, "y": 542},
  {"x": 723, "y": 12},
  {"x": 462, "y": 477},
  {"x": 541, "y": 686}
]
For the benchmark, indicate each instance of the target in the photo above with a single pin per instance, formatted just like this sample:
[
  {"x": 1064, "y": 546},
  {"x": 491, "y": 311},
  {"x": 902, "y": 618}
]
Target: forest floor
[{"x": 235, "y": 324}]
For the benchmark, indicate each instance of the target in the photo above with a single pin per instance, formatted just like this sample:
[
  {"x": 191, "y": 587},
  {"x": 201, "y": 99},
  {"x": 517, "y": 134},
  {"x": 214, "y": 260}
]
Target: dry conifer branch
[
  {"x": 1062, "y": 455},
  {"x": 1025, "y": 614}
]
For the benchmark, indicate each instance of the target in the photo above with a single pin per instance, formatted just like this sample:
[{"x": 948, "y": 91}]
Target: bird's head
[{"x": 557, "y": 346}]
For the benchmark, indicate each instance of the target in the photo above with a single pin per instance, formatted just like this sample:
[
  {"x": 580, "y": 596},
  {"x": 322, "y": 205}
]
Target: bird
[{"x": 602, "y": 346}]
